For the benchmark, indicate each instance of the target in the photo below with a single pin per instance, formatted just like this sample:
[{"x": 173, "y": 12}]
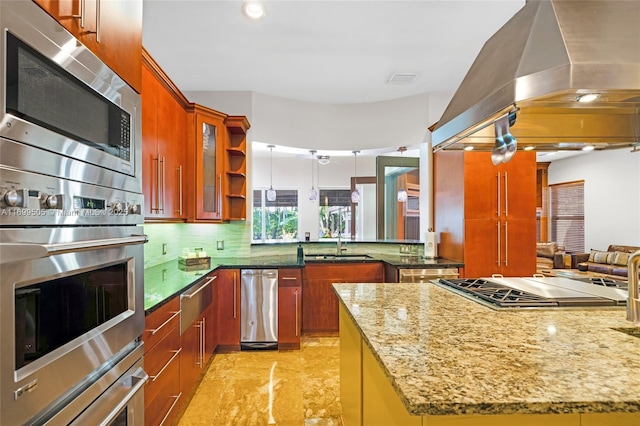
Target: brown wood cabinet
[
  {"x": 162, "y": 362},
  {"x": 205, "y": 151},
  {"x": 319, "y": 302},
  {"x": 485, "y": 215},
  {"x": 289, "y": 308},
  {"x": 227, "y": 299},
  {"x": 164, "y": 133},
  {"x": 217, "y": 176},
  {"x": 111, "y": 29}
]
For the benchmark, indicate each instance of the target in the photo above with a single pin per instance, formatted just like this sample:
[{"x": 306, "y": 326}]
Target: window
[
  {"x": 277, "y": 220},
  {"x": 567, "y": 215},
  {"x": 335, "y": 213}
]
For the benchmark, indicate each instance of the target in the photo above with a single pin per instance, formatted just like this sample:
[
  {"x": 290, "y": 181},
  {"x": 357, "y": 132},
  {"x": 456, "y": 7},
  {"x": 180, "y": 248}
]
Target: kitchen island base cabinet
[{"x": 369, "y": 399}]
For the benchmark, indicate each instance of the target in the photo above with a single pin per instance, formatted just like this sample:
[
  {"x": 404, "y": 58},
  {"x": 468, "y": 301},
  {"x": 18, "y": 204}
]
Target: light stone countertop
[{"x": 445, "y": 354}]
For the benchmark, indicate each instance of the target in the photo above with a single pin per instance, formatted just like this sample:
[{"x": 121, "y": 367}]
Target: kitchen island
[{"x": 420, "y": 354}]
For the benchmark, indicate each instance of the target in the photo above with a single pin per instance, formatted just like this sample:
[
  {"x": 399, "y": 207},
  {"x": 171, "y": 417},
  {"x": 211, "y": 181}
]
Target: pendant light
[
  {"x": 355, "y": 195},
  {"x": 313, "y": 194},
  {"x": 402, "y": 194},
  {"x": 271, "y": 193}
]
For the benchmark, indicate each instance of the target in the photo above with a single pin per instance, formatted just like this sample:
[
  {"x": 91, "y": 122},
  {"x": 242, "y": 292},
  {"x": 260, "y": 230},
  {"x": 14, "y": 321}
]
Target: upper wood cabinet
[
  {"x": 486, "y": 215},
  {"x": 217, "y": 176},
  {"x": 111, "y": 29},
  {"x": 164, "y": 137}
]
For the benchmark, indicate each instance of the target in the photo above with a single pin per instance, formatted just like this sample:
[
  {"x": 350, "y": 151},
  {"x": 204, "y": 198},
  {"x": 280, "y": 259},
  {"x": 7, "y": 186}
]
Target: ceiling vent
[{"x": 402, "y": 78}]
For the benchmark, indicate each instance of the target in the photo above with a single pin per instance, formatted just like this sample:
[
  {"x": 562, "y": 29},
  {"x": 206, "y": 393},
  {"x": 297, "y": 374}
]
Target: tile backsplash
[{"x": 235, "y": 237}]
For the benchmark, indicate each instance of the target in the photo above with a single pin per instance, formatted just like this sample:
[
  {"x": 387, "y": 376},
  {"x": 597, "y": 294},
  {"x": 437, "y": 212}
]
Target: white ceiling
[{"x": 321, "y": 51}]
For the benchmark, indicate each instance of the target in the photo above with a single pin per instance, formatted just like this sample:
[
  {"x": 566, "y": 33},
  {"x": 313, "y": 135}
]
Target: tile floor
[{"x": 282, "y": 388}]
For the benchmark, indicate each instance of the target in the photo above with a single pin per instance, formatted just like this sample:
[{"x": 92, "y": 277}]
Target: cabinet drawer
[
  {"x": 290, "y": 277},
  {"x": 157, "y": 358},
  {"x": 160, "y": 322},
  {"x": 162, "y": 395}
]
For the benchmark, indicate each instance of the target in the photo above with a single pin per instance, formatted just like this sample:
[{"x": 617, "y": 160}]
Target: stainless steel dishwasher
[{"x": 259, "y": 309}]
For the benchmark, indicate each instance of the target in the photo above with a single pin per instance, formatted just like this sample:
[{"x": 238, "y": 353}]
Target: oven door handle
[
  {"x": 120, "y": 397},
  {"x": 12, "y": 252}
]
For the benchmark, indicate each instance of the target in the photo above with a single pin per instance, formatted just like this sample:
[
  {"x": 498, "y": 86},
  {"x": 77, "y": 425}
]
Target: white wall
[{"x": 611, "y": 195}]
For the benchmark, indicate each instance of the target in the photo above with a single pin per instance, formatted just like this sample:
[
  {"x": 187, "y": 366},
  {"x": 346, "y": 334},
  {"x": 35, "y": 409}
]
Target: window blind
[{"x": 567, "y": 215}]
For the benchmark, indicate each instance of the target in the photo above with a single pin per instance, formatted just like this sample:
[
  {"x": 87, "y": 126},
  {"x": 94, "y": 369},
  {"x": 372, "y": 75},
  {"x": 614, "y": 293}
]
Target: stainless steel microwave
[{"x": 59, "y": 99}]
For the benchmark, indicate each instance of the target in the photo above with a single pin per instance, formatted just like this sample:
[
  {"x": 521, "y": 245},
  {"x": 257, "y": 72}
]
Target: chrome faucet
[{"x": 633, "y": 303}]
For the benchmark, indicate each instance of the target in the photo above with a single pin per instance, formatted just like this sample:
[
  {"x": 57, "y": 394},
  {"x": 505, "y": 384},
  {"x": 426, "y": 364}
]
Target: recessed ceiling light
[
  {"x": 588, "y": 97},
  {"x": 253, "y": 9},
  {"x": 588, "y": 148}
]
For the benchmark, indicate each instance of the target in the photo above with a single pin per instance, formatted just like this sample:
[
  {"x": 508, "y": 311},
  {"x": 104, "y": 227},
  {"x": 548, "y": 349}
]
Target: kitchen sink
[
  {"x": 336, "y": 257},
  {"x": 631, "y": 331}
]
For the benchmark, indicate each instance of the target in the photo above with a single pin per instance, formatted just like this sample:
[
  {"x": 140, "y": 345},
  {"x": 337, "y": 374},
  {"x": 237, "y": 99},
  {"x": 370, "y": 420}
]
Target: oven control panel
[{"x": 31, "y": 199}]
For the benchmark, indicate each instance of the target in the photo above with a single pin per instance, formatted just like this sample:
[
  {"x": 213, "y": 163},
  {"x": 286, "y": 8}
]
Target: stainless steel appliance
[
  {"x": 72, "y": 309},
  {"x": 426, "y": 274},
  {"x": 540, "y": 292},
  {"x": 71, "y": 248},
  {"x": 62, "y": 106},
  {"x": 259, "y": 309},
  {"x": 536, "y": 71}
]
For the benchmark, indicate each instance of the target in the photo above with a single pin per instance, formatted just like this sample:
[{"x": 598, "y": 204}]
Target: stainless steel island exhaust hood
[{"x": 540, "y": 65}]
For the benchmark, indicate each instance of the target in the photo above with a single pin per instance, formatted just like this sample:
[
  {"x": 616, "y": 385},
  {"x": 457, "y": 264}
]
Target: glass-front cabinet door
[{"x": 209, "y": 166}]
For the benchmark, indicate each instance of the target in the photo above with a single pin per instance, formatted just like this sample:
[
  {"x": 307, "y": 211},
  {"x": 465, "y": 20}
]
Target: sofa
[
  {"x": 611, "y": 262},
  {"x": 549, "y": 256}
]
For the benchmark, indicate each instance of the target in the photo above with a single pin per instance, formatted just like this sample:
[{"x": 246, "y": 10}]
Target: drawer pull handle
[
  {"x": 175, "y": 354},
  {"x": 290, "y": 278},
  {"x": 177, "y": 397},
  {"x": 175, "y": 314}
]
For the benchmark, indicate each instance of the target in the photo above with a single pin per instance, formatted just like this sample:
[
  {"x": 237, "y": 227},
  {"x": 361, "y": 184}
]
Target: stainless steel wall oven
[{"x": 71, "y": 244}]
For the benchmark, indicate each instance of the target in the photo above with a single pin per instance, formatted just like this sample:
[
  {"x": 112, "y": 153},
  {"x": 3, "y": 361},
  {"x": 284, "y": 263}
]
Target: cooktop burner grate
[
  {"x": 605, "y": 282},
  {"x": 498, "y": 294}
]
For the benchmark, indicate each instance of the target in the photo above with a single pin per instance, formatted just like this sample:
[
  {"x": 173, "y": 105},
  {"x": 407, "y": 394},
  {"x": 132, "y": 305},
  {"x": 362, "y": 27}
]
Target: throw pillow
[
  {"x": 601, "y": 256},
  {"x": 546, "y": 249},
  {"x": 621, "y": 258}
]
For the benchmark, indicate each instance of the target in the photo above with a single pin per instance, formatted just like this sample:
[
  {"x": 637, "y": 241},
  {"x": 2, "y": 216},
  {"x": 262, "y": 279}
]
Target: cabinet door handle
[
  {"x": 209, "y": 281},
  {"x": 156, "y": 208},
  {"x": 506, "y": 244},
  {"x": 177, "y": 398},
  {"x": 506, "y": 195},
  {"x": 199, "y": 358},
  {"x": 161, "y": 178},
  {"x": 202, "y": 341},
  {"x": 290, "y": 278},
  {"x": 499, "y": 238},
  {"x": 235, "y": 313},
  {"x": 498, "y": 206},
  {"x": 175, "y": 354},
  {"x": 297, "y": 324},
  {"x": 175, "y": 314},
  {"x": 81, "y": 13},
  {"x": 220, "y": 195},
  {"x": 180, "y": 190},
  {"x": 98, "y": 15}
]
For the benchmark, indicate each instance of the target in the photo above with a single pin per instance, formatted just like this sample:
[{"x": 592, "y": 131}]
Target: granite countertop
[
  {"x": 164, "y": 281},
  {"x": 447, "y": 355}
]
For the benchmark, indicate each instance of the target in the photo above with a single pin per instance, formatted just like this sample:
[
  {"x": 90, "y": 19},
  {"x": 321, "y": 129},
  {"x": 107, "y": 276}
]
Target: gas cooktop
[{"x": 538, "y": 292}]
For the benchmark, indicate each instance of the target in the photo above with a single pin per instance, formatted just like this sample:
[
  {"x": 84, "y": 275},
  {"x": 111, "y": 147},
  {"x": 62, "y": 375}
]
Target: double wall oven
[{"x": 71, "y": 244}]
